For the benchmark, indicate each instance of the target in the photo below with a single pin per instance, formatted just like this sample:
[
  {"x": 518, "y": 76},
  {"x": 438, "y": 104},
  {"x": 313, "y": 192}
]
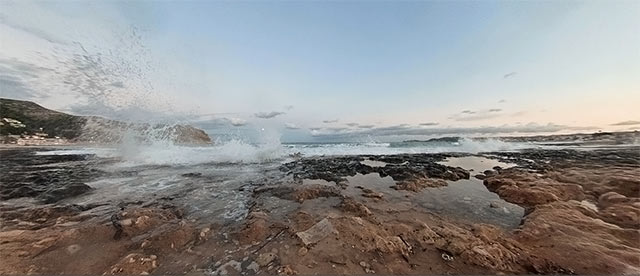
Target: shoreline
[{"x": 294, "y": 224}]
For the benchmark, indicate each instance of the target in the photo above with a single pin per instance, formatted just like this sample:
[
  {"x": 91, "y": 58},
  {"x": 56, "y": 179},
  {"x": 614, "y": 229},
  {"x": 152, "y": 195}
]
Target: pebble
[
  {"x": 145, "y": 243},
  {"x": 143, "y": 221},
  {"x": 204, "y": 232},
  {"x": 303, "y": 251}
]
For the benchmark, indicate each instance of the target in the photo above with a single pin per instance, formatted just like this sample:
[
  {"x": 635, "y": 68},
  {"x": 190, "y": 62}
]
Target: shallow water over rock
[{"x": 466, "y": 199}]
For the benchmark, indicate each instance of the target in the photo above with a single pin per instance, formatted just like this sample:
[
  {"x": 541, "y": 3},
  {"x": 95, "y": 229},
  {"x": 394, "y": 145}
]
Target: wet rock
[
  {"x": 315, "y": 191},
  {"x": 300, "y": 194},
  {"x": 489, "y": 173},
  {"x": 416, "y": 185},
  {"x": 192, "y": 174},
  {"x": 371, "y": 194},
  {"x": 66, "y": 191},
  {"x": 49, "y": 178},
  {"x": 406, "y": 167}
]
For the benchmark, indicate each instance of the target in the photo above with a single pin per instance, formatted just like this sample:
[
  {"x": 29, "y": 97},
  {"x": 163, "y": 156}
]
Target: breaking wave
[
  {"x": 462, "y": 145},
  {"x": 132, "y": 152}
]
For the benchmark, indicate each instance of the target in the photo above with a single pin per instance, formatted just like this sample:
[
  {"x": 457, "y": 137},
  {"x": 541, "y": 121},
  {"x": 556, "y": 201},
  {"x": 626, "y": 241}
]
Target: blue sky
[{"x": 332, "y": 68}]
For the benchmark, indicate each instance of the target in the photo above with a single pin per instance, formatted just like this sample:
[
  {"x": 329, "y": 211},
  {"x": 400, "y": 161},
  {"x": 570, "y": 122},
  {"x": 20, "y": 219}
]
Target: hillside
[
  {"x": 28, "y": 118},
  {"x": 34, "y": 118}
]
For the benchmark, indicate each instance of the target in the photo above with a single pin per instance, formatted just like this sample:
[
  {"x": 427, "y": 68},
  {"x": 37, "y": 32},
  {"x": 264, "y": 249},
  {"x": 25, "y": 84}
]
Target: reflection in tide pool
[{"x": 464, "y": 199}]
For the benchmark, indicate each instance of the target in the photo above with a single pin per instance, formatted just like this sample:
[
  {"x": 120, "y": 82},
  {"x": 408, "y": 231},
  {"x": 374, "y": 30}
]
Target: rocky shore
[
  {"x": 330, "y": 215},
  {"x": 27, "y": 123}
]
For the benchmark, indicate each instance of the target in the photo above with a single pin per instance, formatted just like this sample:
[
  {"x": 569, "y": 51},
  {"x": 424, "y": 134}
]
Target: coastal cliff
[{"x": 35, "y": 124}]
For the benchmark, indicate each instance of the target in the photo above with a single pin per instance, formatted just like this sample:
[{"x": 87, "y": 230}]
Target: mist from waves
[{"x": 133, "y": 151}]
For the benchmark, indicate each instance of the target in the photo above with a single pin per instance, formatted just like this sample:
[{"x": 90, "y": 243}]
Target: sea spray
[
  {"x": 135, "y": 150},
  {"x": 155, "y": 146}
]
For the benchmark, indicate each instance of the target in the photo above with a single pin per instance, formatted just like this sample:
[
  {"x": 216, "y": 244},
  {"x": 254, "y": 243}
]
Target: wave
[
  {"x": 133, "y": 152},
  {"x": 430, "y": 146}
]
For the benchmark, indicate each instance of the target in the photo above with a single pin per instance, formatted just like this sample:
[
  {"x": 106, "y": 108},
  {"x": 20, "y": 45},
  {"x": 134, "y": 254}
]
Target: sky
[{"x": 337, "y": 70}]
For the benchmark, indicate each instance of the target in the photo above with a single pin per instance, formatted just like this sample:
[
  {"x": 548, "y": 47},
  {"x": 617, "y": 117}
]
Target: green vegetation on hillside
[{"x": 38, "y": 119}]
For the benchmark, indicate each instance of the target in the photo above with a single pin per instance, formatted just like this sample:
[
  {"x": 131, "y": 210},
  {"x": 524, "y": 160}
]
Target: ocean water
[
  {"x": 213, "y": 182},
  {"x": 238, "y": 151}
]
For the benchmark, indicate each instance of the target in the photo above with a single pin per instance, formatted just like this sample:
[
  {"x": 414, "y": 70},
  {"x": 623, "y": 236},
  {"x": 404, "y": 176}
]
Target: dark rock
[
  {"x": 192, "y": 174},
  {"x": 69, "y": 190},
  {"x": 489, "y": 173},
  {"x": 402, "y": 168},
  {"x": 49, "y": 178}
]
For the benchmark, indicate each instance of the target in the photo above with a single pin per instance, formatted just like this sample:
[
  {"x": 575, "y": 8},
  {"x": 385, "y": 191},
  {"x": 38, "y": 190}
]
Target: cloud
[
  {"x": 288, "y": 107},
  {"x": 290, "y": 126},
  {"x": 352, "y": 124},
  {"x": 337, "y": 129},
  {"x": 107, "y": 72},
  {"x": 502, "y": 101},
  {"x": 366, "y": 126},
  {"x": 508, "y": 75},
  {"x": 315, "y": 128},
  {"x": 330, "y": 121},
  {"x": 429, "y": 124},
  {"x": 477, "y": 115},
  {"x": 15, "y": 80},
  {"x": 519, "y": 113},
  {"x": 268, "y": 115},
  {"x": 404, "y": 130},
  {"x": 627, "y": 123}
]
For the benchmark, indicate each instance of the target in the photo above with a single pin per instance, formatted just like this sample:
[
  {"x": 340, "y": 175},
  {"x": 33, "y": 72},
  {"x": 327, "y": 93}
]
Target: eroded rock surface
[
  {"x": 579, "y": 207},
  {"x": 412, "y": 172},
  {"x": 586, "y": 203}
]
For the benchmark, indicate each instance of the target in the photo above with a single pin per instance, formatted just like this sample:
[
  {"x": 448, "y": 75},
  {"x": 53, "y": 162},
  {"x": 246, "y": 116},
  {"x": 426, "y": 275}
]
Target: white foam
[
  {"x": 133, "y": 151},
  {"x": 464, "y": 145}
]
